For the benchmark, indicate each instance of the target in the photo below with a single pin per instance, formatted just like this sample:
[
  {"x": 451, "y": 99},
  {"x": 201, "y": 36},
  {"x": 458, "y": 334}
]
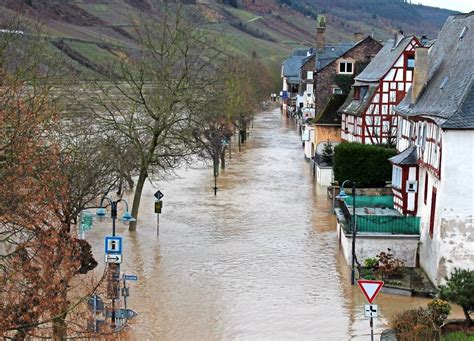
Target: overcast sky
[{"x": 457, "y": 5}]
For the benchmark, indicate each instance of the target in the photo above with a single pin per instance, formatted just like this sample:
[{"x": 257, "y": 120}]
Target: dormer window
[
  {"x": 360, "y": 92},
  {"x": 410, "y": 60},
  {"x": 357, "y": 93},
  {"x": 346, "y": 67}
]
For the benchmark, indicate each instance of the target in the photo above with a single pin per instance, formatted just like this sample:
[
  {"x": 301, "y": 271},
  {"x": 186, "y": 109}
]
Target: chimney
[
  {"x": 420, "y": 74},
  {"x": 358, "y": 36},
  {"x": 320, "y": 32},
  {"x": 424, "y": 40},
  {"x": 397, "y": 38}
]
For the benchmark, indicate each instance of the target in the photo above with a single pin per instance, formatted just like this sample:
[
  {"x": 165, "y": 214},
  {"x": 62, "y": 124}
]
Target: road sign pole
[
  {"x": 372, "y": 329},
  {"x": 157, "y": 223}
]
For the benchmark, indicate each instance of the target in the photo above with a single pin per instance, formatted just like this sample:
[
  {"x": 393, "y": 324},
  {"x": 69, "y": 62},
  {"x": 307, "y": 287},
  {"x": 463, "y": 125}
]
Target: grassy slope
[{"x": 259, "y": 28}]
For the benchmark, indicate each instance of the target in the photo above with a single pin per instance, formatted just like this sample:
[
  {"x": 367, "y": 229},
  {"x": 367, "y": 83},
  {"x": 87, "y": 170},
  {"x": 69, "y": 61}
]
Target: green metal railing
[
  {"x": 371, "y": 200},
  {"x": 387, "y": 224}
]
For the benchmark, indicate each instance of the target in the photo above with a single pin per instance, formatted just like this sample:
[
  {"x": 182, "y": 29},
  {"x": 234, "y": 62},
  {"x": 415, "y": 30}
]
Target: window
[
  {"x": 409, "y": 60},
  {"x": 346, "y": 67},
  {"x": 425, "y": 198},
  {"x": 309, "y": 75},
  {"x": 397, "y": 177},
  {"x": 337, "y": 91},
  {"x": 357, "y": 93},
  {"x": 433, "y": 210}
]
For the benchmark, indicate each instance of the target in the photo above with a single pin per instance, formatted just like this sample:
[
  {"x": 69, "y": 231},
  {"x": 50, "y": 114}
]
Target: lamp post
[
  {"x": 343, "y": 195},
  {"x": 113, "y": 267}
]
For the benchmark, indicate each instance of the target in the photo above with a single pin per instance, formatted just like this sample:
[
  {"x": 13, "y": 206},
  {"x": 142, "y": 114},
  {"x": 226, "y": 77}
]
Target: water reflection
[{"x": 258, "y": 262}]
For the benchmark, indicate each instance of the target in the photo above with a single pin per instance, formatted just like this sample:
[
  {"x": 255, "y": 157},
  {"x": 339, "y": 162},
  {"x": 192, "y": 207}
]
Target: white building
[{"x": 434, "y": 172}]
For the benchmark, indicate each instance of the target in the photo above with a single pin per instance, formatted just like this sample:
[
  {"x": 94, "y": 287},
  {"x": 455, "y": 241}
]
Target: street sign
[
  {"x": 158, "y": 206},
  {"x": 158, "y": 195},
  {"x": 113, "y": 245},
  {"x": 123, "y": 314},
  {"x": 370, "y": 288},
  {"x": 112, "y": 258},
  {"x": 130, "y": 277},
  {"x": 371, "y": 310},
  {"x": 284, "y": 95}
]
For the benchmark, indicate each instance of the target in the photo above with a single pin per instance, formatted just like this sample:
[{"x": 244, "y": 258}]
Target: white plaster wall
[
  {"x": 452, "y": 244},
  {"x": 369, "y": 245},
  {"x": 324, "y": 175}
]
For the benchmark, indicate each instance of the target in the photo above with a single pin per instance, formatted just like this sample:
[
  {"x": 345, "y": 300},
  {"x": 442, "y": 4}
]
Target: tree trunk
[
  {"x": 216, "y": 165},
  {"x": 230, "y": 148},
  {"x": 240, "y": 144},
  {"x": 468, "y": 317},
  {"x": 223, "y": 158},
  {"x": 59, "y": 322},
  {"x": 137, "y": 197}
]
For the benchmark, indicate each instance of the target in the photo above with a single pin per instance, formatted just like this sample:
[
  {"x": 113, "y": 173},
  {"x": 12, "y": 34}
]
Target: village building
[
  {"x": 432, "y": 175},
  {"x": 367, "y": 115}
]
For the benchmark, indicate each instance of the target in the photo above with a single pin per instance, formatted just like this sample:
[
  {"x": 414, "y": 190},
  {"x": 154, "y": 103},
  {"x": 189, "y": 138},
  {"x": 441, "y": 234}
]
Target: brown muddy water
[{"x": 260, "y": 261}]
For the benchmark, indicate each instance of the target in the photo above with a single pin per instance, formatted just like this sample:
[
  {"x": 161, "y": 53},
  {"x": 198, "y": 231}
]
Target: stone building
[{"x": 432, "y": 175}]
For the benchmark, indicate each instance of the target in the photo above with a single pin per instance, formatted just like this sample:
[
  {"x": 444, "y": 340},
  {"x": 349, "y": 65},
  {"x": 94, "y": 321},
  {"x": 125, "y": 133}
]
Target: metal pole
[
  {"x": 157, "y": 223},
  {"x": 353, "y": 223},
  {"x": 215, "y": 184},
  {"x": 111, "y": 265},
  {"x": 371, "y": 329}
]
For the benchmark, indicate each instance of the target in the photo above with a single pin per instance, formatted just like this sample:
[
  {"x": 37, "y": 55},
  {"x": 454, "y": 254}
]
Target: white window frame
[
  {"x": 337, "y": 91},
  {"x": 397, "y": 177},
  {"x": 309, "y": 75},
  {"x": 345, "y": 63}
]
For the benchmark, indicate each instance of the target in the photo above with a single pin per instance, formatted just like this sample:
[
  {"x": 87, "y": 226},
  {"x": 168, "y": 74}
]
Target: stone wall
[{"x": 324, "y": 79}]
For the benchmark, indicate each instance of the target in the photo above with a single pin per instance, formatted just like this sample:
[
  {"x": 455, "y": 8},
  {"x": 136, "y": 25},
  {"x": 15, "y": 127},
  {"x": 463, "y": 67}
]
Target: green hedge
[{"x": 367, "y": 165}]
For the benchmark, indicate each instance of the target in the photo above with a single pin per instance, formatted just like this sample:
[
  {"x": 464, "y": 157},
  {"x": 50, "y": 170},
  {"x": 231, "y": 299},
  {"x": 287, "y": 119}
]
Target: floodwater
[{"x": 260, "y": 261}]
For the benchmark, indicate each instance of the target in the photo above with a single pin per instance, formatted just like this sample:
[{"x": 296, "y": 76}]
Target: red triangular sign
[{"x": 370, "y": 288}]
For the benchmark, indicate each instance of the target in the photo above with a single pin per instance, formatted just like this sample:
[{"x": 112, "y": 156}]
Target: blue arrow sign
[
  {"x": 131, "y": 277},
  {"x": 113, "y": 245}
]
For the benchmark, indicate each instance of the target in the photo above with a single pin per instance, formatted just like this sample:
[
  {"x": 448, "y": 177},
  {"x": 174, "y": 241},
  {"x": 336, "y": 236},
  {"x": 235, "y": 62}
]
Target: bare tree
[{"x": 151, "y": 106}]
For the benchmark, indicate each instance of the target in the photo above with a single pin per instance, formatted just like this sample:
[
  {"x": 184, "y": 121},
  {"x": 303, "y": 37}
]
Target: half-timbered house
[
  {"x": 367, "y": 115},
  {"x": 432, "y": 175}
]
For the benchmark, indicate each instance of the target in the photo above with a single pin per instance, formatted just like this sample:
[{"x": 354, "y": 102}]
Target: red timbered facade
[{"x": 367, "y": 114}]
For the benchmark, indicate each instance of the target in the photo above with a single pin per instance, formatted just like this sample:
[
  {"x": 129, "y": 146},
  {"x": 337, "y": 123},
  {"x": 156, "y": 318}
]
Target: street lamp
[
  {"x": 342, "y": 195},
  {"x": 114, "y": 268}
]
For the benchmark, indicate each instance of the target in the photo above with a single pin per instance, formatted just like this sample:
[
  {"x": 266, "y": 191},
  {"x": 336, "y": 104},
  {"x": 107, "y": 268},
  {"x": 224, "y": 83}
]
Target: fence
[
  {"x": 371, "y": 201},
  {"x": 388, "y": 224}
]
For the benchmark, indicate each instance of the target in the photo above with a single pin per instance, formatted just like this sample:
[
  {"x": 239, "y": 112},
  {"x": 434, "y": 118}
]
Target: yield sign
[{"x": 370, "y": 288}]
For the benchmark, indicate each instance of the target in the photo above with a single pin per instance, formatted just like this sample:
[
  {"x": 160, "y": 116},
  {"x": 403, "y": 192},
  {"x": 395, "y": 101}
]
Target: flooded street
[{"x": 259, "y": 261}]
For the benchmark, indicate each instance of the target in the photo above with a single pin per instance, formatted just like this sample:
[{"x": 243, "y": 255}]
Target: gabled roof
[
  {"x": 408, "y": 157},
  {"x": 330, "y": 53},
  {"x": 329, "y": 114},
  {"x": 357, "y": 107},
  {"x": 292, "y": 65},
  {"x": 343, "y": 48},
  {"x": 448, "y": 95},
  {"x": 383, "y": 61}
]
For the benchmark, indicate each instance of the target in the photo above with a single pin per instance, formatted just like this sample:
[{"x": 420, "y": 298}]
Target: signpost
[
  {"x": 113, "y": 245},
  {"x": 116, "y": 259},
  {"x": 158, "y": 206},
  {"x": 370, "y": 289}
]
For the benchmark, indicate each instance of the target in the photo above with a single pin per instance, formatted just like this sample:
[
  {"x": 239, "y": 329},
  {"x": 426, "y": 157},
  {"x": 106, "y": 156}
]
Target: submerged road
[{"x": 260, "y": 261}]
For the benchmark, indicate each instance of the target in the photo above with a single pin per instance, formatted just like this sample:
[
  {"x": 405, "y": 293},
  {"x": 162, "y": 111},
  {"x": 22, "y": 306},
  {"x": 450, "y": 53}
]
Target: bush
[
  {"x": 389, "y": 266},
  {"x": 459, "y": 289},
  {"x": 371, "y": 263},
  {"x": 439, "y": 310},
  {"x": 414, "y": 324},
  {"x": 367, "y": 165}
]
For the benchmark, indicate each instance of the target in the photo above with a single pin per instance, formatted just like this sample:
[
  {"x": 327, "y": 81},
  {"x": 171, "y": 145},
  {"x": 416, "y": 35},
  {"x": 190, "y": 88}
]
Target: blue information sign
[
  {"x": 131, "y": 277},
  {"x": 113, "y": 245}
]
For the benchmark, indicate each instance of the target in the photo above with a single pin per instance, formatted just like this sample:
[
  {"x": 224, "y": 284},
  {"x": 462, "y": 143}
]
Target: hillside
[{"x": 89, "y": 33}]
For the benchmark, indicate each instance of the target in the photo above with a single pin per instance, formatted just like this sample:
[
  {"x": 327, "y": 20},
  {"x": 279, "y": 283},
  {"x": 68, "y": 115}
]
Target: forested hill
[{"x": 89, "y": 32}]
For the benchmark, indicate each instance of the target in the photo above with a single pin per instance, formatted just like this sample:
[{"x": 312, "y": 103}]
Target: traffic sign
[
  {"x": 113, "y": 245},
  {"x": 158, "y": 195},
  {"x": 112, "y": 258},
  {"x": 371, "y": 310},
  {"x": 130, "y": 277},
  {"x": 158, "y": 206},
  {"x": 370, "y": 288}
]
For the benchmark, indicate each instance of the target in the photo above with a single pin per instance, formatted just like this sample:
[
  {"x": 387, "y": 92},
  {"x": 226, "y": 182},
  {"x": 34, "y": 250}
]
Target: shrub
[
  {"x": 367, "y": 165},
  {"x": 459, "y": 289},
  {"x": 389, "y": 266},
  {"x": 371, "y": 263},
  {"x": 414, "y": 324},
  {"x": 439, "y": 310}
]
